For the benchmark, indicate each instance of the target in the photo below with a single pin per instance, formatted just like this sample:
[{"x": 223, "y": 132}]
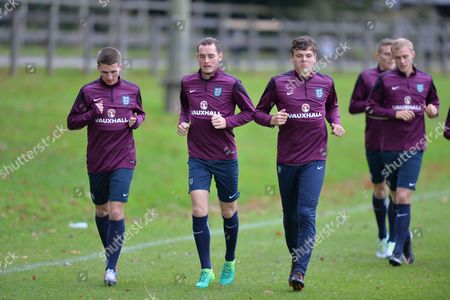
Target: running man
[
  {"x": 402, "y": 97},
  {"x": 208, "y": 101},
  {"x": 111, "y": 108},
  {"x": 358, "y": 104},
  {"x": 305, "y": 100}
]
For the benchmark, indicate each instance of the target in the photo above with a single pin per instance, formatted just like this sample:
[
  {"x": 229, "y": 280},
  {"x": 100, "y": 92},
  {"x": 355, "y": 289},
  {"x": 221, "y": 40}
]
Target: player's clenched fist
[
  {"x": 218, "y": 121},
  {"x": 431, "y": 111},
  {"x": 280, "y": 118},
  {"x": 99, "y": 105},
  {"x": 132, "y": 120},
  {"x": 405, "y": 115},
  {"x": 337, "y": 129},
  {"x": 183, "y": 128}
]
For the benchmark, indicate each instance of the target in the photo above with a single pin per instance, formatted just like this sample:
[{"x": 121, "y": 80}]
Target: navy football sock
[
  {"x": 392, "y": 211},
  {"x": 102, "y": 227},
  {"x": 114, "y": 241},
  {"x": 401, "y": 226},
  {"x": 201, "y": 233},
  {"x": 230, "y": 229},
  {"x": 380, "y": 214}
]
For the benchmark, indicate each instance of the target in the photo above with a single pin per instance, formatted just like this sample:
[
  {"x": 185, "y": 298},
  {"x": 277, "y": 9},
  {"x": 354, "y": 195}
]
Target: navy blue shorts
[
  {"x": 376, "y": 165},
  {"x": 401, "y": 169},
  {"x": 110, "y": 186},
  {"x": 226, "y": 173}
]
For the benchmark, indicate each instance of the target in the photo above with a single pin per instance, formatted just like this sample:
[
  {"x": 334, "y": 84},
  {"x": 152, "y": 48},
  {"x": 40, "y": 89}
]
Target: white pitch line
[{"x": 256, "y": 225}]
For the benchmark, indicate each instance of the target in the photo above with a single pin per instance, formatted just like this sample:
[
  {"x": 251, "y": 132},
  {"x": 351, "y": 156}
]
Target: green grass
[{"x": 37, "y": 202}]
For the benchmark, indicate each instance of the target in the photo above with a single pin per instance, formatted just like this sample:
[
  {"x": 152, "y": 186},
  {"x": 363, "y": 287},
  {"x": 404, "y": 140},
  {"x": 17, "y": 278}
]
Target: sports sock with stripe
[
  {"x": 114, "y": 241},
  {"x": 230, "y": 229},
  {"x": 200, "y": 229}
]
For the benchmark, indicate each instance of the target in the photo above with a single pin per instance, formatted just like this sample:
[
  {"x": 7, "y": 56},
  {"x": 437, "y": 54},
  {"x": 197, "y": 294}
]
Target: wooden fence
[{"x": 253, "y": 36}]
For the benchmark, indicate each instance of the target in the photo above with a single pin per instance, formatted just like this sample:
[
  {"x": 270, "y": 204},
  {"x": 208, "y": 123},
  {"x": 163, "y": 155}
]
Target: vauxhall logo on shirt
[
  {"x": 111, "y": 118},
  {"x": 204, "y": 111},
  {"x": 407, "y": 106},
  {"x": 306, "y": 114}
]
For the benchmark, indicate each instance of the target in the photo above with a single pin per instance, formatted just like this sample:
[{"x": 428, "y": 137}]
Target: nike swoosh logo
[
  {"x": 124, "y": 195},
  {"x": 289, "y": 93},
  {"x": 96, "y": 99},
  {"x": 395, "y": 87},
  {"x": 231, "y": 227},
  {"x": 191, "y": 91},
  {"x": 411, "y": 184},
  {"x": 232, "y": 196},
  {"x": 319, "y": 168}
]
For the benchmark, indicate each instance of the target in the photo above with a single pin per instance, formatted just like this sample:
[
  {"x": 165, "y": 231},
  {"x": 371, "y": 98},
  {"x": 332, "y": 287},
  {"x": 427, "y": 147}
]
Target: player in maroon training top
[
  {"x": 402, "y": 98},
  {"x": 305, "y": 100},
  {"x": 111, "y": 108},
  {"x": 358, "y": 104},
  {"x": 208, "y": 101}
]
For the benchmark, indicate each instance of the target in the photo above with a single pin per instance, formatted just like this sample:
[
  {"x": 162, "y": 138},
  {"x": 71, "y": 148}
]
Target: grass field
[{"x": 41, "y": 257}]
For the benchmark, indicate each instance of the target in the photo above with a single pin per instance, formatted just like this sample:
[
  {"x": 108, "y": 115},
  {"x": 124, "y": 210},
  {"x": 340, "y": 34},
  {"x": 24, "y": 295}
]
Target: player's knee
[
  {"x": 101, "y": 211},
  {"x": 116, "y": 213},
  {"x": 379, "y": 192},
  {"x": 228, "y": 209},
  {"x": 199, "y": 211},
  {"x": 403, "y": 197},
  {"x": 307, "y": 214}
]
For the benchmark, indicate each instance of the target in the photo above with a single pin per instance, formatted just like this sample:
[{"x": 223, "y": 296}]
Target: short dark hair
[
  {"x": 304, "y": 42},
  {"x": 209, "y": 41},
  {"x": 384, "y": 42},
  {"x": 109, "y": 56}
]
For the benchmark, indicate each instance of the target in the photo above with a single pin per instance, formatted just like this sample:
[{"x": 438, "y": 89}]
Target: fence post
[
  {"x": 179, "y": 29},
  {"x": 368, "y": 48},
  {"x": 155, "y": 44},
  {"x": 53, "y": 28},
  {"x": 123, "y": 39},
  {"x": 86, "y": 25},
  {"x": 18, "y": 26},
  {"x": 253, "y": 44},
  {"x": 282, "y": 50}
]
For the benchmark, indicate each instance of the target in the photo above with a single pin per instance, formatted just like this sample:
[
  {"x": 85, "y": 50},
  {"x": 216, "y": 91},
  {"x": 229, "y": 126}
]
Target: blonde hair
[{"x": 401, "y": 42}]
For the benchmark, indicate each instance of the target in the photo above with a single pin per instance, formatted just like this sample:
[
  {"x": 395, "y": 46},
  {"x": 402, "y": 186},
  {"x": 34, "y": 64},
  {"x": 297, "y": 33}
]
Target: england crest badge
[
  {"x": 319, "y": 93},
  {"x": 420, "y": 87},
  {"x": 217, "y": 91},
  {"x": 126, "y": 100}
]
